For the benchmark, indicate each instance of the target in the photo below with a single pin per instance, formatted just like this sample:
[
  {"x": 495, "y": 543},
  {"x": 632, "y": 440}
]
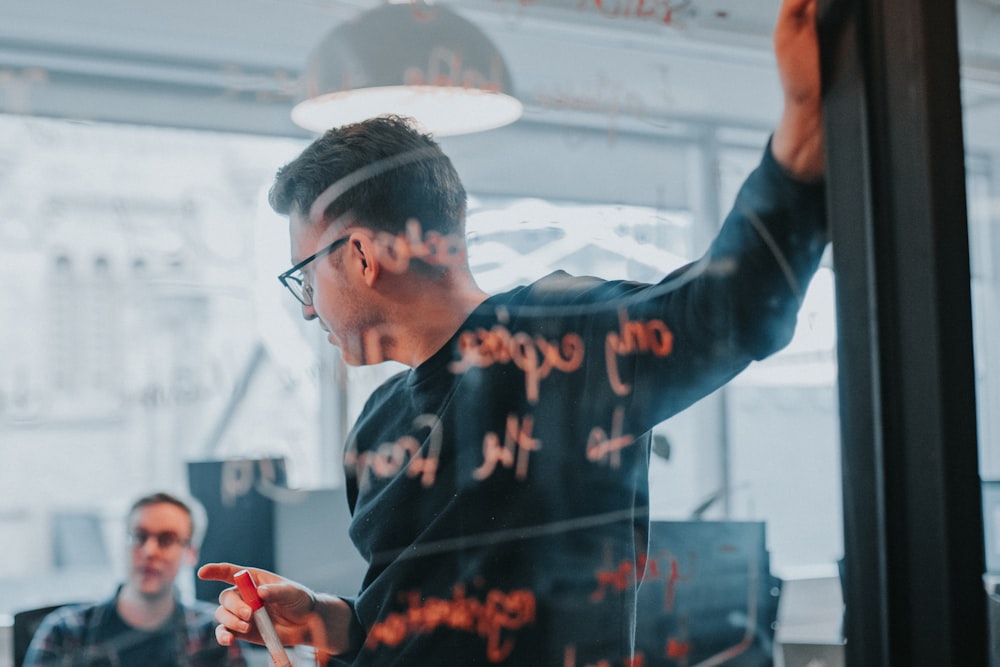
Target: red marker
[{"x": 248, "y": 591}]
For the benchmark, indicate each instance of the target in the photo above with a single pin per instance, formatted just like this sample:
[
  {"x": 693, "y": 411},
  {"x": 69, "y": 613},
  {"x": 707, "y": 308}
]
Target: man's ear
[
  {"x": 363, "y": 247},
  {"x": 190, "y": 556}
]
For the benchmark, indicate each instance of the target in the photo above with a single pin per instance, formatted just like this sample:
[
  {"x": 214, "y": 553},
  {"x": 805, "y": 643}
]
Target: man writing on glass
[{"x": 493, "y": 482}]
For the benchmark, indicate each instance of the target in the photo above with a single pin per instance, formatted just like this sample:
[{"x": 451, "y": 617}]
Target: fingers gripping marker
[{"x": 248, "y": 591}]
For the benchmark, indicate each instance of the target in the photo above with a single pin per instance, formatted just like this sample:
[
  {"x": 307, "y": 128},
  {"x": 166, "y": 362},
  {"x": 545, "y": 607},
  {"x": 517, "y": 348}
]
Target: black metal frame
[{"x": 914, "y": 558}]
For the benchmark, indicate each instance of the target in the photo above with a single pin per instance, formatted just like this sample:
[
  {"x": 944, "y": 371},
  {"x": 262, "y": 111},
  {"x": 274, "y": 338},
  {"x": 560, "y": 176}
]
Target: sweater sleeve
[
  {"x": 357, "y": 635},
  {"x": 768, "y": 250},
  {"x": 738, "y": 303}
]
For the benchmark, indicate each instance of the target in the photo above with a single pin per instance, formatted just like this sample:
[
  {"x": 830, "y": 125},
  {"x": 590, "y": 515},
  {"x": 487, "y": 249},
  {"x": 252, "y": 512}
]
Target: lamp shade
[{"x": 428, "y": 63}]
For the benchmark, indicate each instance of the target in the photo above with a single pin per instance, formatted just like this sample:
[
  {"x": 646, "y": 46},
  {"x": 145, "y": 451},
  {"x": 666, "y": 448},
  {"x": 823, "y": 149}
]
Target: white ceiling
[
  {"x": 617, "y": 70},
  {"x": 234, "y": 64}
]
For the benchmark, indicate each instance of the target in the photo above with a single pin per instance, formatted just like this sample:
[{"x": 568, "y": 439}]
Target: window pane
[
  {"x": 135, "y": 289},
  {"x": 979, "y": 30},
  {"x": 149, "y": 332}
]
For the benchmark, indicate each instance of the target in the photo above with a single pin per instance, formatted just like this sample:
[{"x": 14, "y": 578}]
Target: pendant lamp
[{"x": 422, "y": 61}]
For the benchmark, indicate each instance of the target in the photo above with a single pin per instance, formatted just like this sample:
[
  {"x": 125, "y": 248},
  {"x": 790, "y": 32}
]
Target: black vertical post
[{"x": 896, "y": 190}]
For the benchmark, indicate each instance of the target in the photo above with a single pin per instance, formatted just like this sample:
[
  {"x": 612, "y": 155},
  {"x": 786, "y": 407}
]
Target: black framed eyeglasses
[
  {"x": 165, "y": 540},
  {"x": 294, "y": 279}
]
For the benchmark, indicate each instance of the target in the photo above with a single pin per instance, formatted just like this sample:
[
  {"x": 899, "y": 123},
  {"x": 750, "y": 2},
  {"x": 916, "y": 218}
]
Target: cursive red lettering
[
  {"x": 677, "y": 649},
  {"x": 627, "y": 574},
  {"x": 517, "y": 446},
  {"x": 500, "y": 612},
  {"x": 434, "y": 248},
  {"x": 536, "y": 357},
  {"x": 633, "y": 337},
  {"x": 602, "y": 447},
  {"x": 406, "y": 453}
]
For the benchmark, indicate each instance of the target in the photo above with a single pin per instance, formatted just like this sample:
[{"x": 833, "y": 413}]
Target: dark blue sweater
[{"x": 499, "y": 491}]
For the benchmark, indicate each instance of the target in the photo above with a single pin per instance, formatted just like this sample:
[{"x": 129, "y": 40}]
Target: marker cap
[{"x": 248, "y": 589}]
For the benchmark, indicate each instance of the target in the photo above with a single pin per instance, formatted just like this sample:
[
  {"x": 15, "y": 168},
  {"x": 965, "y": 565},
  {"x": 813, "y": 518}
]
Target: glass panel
[
  {"x": 979, "y": 34},
  {"x": 151, "y": 347},
  {"x": 135, "y": 311}
]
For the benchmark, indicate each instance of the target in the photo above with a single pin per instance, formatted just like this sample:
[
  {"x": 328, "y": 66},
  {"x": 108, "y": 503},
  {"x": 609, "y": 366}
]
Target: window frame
[{"x": 914, "y": 561}]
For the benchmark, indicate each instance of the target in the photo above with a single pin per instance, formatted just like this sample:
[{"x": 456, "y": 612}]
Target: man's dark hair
[
  {"x": 383, "y": 170},
  {"x": 160, "y": 497}
]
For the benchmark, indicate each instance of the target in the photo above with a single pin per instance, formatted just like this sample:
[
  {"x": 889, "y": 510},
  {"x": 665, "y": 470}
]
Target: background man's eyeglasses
[
  {"x": 294, "y": 279},
  {"x": 166, "y": 540}
]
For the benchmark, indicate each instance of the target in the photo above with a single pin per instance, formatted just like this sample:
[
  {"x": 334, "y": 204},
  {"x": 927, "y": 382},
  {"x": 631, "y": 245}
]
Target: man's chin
[
  {"x": 151, "y": 586},
  {"x": 361, "y": 349},
  {"x": 350, "y": 359},
  {"x": 352, "y": 355}
]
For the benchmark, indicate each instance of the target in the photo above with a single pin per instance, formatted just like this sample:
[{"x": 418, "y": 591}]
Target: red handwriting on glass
[
  {"x": 537, "y": 357},
  {"x": 419, "y": 10},
  {"x": 605, "y": 95},
  {"x": 670, "y": 591},
  {"x": 633, "y": 337},
  {"x": 487, "y": 618},
  {"x": 445, "y": 68},
  {"x": 655, "y": 10},
  {"x": 661, "y": 10},
  {"x": 433, "y": 248},
  {"x": 569, "y": 660},
  {"x": 673, "y": 578},
  {"x": 628, "y": 574},
  {"x": 602, "y": 447},
  {"x": 389, "y": 458},
  {"x": 677, "y": 649},
  {"x": 516, "y": 448}
]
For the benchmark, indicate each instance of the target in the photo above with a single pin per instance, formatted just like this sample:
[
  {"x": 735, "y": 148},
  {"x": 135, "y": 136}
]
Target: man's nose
[{"x": 308, "y": 313}]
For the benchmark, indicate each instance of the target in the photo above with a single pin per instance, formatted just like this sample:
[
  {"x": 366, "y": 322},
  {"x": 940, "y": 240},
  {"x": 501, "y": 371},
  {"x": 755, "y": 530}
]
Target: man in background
[{"x": 144, "y": 624}]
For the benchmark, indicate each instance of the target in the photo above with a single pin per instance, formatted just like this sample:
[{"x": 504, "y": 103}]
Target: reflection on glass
[
  {"x": 979, "y": 47},
  {"x": 131, "y": 326},
  {"x": 157, "y": 335},
  {"x": 498, "y": 487}
]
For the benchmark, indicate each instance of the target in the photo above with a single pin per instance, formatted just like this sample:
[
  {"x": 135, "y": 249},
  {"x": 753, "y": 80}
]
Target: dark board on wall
[
  {"x": 707, "y": 595},
  {"x": 238, "y": 498},
  {"x": 312, "y": 545}
]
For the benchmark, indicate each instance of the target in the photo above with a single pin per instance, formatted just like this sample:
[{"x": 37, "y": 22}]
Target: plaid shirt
[{"x": 76, "y": 636}]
